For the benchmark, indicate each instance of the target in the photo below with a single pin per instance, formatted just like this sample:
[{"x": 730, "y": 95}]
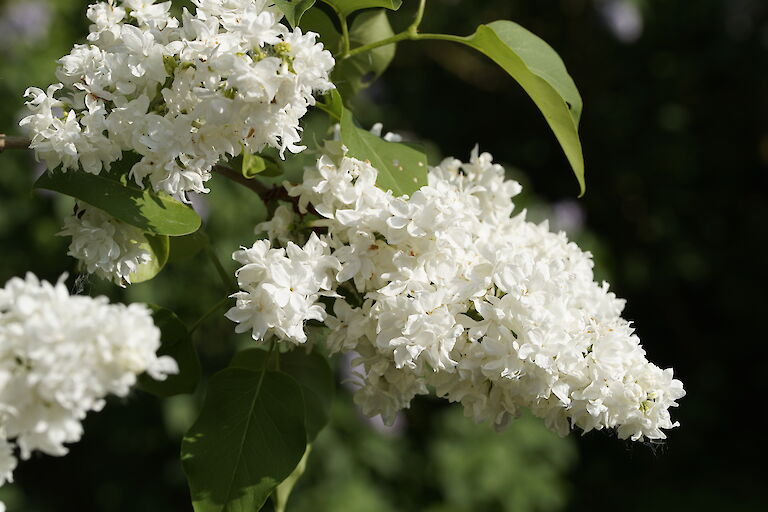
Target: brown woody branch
[
  {"x": 11, "y": 142},
  {"x": 266, "y": 193},
  {"x": 228, "y": 172}
]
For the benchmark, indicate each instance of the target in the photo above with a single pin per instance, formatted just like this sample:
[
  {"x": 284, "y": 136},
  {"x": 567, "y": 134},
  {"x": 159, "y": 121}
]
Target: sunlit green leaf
[
  {"x": 402, "y": 167},
  {"x": 293, "y": 9},
  {"x": 331, "y": 104},
  {"x": 152, "y": 212},
  {"x": 263, "y": 164},
  {"x": 158, "y": 247},
  {"x": 345, "y": 7},
  {"x": 253, "y": 165},
  {"x": 175, "y": 342},
  {"x": 541, "y": 72},
  {"x": 249, "y": 437},
  {"x": 259, "y": 164}
]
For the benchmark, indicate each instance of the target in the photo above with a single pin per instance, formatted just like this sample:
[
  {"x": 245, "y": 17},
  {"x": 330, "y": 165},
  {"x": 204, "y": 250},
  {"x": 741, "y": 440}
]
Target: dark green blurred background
[{"x": 676, "y": 144}]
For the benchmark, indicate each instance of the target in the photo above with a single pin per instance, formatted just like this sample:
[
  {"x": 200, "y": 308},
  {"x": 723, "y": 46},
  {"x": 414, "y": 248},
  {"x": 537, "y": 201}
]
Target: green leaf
[
  {"x": 175, "y": 342},
  {"x": 248, "y": 438},
  {"x": 283, "y": 491},
  {"x": 317, "y": 21},
  {"x": 355, "y": 73},
  {"x": 159, "y": 248},
  {"x": 253, "y": 165},
  {"x": 346, "y": 7},
  {"x": 358, "y": 72},
  {"x": 310, "y": 371},
  {"x": 332, "y": 104},
  {"x": 273, "y": 169},
  {"x": 187, "y": 246},
  {"x": 259, "y": 164},
  {"x": 541, "y": 72},
  {"x": 156, "y": 213},
  {"x": 293, "y": 9},
  {"x": 315, "y": 377},
  {"x": 250, "y": 359},
  {"x": 402, "y": 167}
]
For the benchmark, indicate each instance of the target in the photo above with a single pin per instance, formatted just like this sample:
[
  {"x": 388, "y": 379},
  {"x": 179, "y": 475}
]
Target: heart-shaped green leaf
[
  {"x": 310, "y": 371},
  {"x": 175, "y": 342},
  {"x": 249, "y": 437}
]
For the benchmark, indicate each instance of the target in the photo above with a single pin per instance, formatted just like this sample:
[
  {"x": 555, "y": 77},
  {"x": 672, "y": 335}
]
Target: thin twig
[
  {"x": 11, "y": 142},
  {"x": 208, "y": 314},
  {"x": 229, "y": 282},
  {"x": 228, "y": 172},
  {"x": 345, "y": 42},
  {"x": 405, "y": 35},
  {"x": 411, "y": 33},
  {"x": 267, "y": 194},
  {"x": 414, "y": 27}
]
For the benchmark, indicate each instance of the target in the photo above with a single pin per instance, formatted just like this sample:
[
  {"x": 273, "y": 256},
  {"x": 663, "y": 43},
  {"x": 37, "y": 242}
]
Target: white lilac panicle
[
  {"x": 60, "y": 356},
  {"x": 7, "y": 460},
  {"x": 281, "y": 287},
  {"x": 446, "y": 290},
  {"x": 104, "y": 245},
  {"x": 281, "y": 228},
  {"x": 180, "y": 93}
]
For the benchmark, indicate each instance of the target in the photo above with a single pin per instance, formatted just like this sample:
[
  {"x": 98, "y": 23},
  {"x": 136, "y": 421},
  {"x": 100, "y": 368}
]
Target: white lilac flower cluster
[
  {"x": 104, "y": 245},
  {"x": 60, "y": 356},
  {"x": 180, "y": 94},
  {"x": 446, "y": 290},
  {"x": 281, "y": 288}
]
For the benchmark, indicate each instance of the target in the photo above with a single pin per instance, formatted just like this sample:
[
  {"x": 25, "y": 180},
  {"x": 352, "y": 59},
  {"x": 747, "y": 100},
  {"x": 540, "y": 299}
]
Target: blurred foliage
[
  {"x": 676, "y": 146},
  {"x": 449, "y": 465}
]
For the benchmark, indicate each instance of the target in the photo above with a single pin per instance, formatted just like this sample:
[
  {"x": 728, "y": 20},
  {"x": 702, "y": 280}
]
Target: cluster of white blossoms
[
  {"x": 446, "y": 290},
  {"x": 104, "y": 245},
  {"x": 60, "y": 356},
  {"x": 281, "y": 288},
  {"x": 182, "y": 95}
]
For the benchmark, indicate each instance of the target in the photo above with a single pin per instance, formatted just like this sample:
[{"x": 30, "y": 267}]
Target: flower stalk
[
  {"x": 409, "y": 34},
  {"x": 265, "y": 193}
]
